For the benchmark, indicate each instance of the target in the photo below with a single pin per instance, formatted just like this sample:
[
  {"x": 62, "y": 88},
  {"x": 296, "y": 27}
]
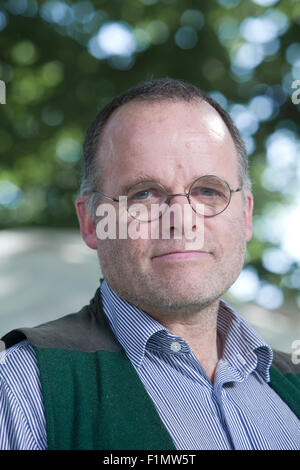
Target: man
[{"x": 157, "y": 360}]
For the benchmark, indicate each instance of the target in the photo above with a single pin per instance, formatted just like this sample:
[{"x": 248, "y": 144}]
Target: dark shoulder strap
[
  {"x": 285, "y": 380},
  {"x": 87, "y": 330},
  {"x": 285, "y": 363}
]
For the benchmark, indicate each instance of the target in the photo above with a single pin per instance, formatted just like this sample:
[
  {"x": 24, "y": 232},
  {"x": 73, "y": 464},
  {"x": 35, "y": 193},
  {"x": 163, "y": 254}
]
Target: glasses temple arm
[{"x": 107, "y": 197}]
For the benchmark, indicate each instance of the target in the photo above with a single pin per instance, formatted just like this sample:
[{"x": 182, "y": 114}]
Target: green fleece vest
[{"x": 92, "y": 395}]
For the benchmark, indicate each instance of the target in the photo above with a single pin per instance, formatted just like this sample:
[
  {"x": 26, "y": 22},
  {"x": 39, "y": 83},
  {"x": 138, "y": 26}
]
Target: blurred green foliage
[{"x": 62, "y": 61}]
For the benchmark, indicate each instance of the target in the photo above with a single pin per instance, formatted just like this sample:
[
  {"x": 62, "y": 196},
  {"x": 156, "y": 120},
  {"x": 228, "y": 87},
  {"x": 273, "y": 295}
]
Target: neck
[{"x": 200, "y": 332}]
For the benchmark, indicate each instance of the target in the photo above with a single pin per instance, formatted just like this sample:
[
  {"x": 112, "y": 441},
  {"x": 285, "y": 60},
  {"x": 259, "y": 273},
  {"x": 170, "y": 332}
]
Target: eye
[
  {"x": 208, "y": 192},
  {"x": 142, "y": 195},
  {"x": 204, "y": 191},
  {"x": 146, "y": 194}
]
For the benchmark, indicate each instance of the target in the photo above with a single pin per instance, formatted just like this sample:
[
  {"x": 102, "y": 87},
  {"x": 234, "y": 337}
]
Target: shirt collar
[
  {"x": 243, "y": 348},
  {"x": 126, "y": 320}
]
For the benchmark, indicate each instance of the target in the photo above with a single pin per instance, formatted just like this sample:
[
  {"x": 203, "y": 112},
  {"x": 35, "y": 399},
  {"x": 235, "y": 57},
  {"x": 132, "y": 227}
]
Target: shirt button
[{"x": 175, "y": 346}]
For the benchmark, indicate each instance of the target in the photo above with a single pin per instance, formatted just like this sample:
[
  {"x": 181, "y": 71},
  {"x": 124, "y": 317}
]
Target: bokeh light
[{"x": 186, "y": 37}]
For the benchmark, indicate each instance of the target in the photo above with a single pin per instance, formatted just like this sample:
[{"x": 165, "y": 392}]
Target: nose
[{"x": 183, "y": 219}]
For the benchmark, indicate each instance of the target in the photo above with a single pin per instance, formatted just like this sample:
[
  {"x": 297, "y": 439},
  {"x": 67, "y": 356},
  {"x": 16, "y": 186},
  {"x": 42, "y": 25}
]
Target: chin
[
  {"x": 179, "y": 302},
  {"x": 184, "y": 292}
]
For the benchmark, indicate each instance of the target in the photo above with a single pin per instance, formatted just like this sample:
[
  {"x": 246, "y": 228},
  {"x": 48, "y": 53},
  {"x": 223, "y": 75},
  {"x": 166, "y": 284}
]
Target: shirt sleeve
[{"x": 22, "y": 420}]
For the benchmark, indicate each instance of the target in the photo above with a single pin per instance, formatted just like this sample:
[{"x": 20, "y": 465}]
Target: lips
[{"x": 181, "y": 254}]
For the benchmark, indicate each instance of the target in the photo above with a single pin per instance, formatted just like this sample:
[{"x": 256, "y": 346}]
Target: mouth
[{"x": 181, "y": 255}]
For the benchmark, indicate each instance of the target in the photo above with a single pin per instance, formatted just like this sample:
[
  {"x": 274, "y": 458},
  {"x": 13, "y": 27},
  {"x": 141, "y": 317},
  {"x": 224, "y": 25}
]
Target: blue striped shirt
[{"x": 238, "y": 411}]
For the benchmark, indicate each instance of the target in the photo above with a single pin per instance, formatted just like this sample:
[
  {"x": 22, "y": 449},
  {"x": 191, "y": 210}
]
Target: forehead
[
  {"x": 189, "y": 118},
  {"x": 154, "y": 137}
]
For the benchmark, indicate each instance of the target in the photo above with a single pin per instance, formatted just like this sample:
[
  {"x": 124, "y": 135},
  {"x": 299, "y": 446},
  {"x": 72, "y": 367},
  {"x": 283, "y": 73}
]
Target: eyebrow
[{"x": 139, "y": 179}]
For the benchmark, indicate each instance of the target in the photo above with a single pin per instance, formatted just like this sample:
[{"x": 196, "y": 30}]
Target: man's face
[{"x": 173, "y": 143}]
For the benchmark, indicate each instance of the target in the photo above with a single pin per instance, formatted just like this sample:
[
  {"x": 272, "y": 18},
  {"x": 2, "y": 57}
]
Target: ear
[
  {"x": 87, "y": 224},
  {"x": 248, "y": 216}
]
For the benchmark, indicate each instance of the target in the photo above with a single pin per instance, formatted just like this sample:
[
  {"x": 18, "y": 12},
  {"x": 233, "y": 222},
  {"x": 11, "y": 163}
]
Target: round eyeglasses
[{"x": 208, "y": 196}]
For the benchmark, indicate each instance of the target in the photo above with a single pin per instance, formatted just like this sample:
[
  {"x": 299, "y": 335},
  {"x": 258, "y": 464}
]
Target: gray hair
[{"x": 161, "y": 89}]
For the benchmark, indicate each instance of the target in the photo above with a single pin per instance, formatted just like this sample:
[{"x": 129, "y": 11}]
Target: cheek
[
  {"x": 227, "y": 233},
  {"x": 121, "y": 256},
  {"x": 113, "y": 260}
]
